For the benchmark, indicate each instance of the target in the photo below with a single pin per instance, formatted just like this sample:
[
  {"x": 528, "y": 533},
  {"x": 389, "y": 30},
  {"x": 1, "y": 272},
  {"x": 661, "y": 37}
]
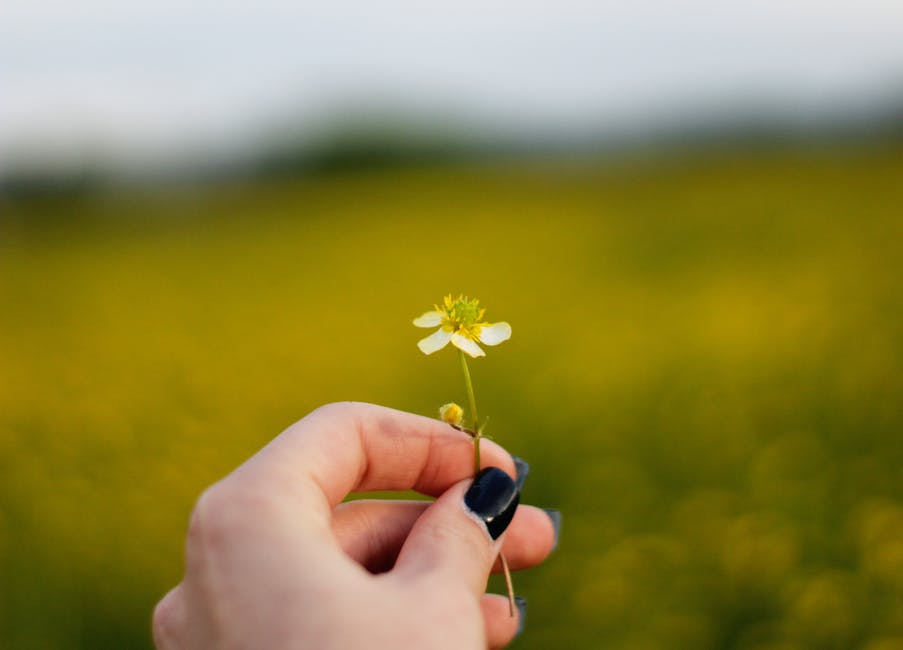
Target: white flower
[{"x": 460, "y": 322}]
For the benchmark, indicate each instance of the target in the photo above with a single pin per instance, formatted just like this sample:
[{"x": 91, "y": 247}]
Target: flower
[
  {"x": 452, "y": 414},
  {"x": 460, "y": 321}
]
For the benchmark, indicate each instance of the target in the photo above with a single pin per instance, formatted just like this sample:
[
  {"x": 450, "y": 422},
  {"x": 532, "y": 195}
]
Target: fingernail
[
  {"x": 493, "y": 497},
  {"x": 521, "y": 604},
  {"x": 522, "y": 469},
  {"x": 555, "y": 516}
]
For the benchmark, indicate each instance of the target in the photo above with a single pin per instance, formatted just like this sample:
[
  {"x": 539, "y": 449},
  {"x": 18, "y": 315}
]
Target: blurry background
[{"x": 214, "y": 218}]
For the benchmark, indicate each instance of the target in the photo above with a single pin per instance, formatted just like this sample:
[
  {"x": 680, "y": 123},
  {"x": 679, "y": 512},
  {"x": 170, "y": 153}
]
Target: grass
[{"x": 705, "y": 375}]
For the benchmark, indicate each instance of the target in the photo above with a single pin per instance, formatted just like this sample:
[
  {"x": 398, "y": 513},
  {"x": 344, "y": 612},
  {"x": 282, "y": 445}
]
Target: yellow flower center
[{"x": 463, "y": 315}]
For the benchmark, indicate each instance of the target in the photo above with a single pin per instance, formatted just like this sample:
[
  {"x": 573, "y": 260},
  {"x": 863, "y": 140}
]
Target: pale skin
[{"x": 274, "y": 559}]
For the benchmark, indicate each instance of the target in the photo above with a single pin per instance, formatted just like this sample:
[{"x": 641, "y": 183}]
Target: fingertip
[
  {"x": 494, "y": 455},
  {"x": 530, "y": 539},
  {"x": 555, "y": 518},
  {"x": 458, "y": 537},
  {"x": 501, "y": 626},
  {"x": 493, "y": 498},
  {"x": 520, "y": 603},
  {"x": 522, "y": 470}
]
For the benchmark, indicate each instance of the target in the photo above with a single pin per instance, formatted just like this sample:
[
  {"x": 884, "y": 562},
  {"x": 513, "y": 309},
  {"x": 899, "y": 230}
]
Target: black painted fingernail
[
  {"x": 493, "y": 497},
  {"x": 522, "y": 469},
  {"x": 555, "y": 516},
  {"x": 521, "y": 604}
]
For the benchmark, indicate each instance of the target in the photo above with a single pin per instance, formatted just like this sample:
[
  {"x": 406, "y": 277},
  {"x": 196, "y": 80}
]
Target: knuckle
[
  {"x": 212, "y": 519},
  {"x": 226, "y": 511},
  {"x": 334, "y": 409},
  {"x": 201, "y": 517},
  {"x": 163, "y": 623}
]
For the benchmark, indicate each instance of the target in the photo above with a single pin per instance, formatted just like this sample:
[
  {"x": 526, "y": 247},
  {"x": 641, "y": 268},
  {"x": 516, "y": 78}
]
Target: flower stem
[
  {"x": 475, "y": 420},
  {"x": 478, "y": 433},
  {"x": 508, "y": 584}
]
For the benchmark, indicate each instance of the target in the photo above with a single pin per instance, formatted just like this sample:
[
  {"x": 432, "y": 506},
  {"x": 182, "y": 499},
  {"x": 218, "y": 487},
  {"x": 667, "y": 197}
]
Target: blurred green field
[{"x": 705, "y": 374}]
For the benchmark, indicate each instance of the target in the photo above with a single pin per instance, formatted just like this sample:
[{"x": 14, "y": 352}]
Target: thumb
[{"x": 457, "y": 538}]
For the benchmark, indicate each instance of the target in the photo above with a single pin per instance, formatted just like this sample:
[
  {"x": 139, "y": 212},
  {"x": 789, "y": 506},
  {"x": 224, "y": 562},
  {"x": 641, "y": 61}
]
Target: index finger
[{"x": 353, "y": 446}]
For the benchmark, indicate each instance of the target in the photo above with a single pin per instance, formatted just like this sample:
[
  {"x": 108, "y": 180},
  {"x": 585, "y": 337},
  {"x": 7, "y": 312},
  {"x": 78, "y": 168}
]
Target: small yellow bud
[{"x": 451, "y": 413}]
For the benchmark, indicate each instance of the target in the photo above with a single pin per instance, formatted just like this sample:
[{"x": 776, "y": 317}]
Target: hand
[{"x": 275, "y": 560}]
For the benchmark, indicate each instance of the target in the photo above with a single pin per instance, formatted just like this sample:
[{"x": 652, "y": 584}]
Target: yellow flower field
[{"x": 706, "y": 378}]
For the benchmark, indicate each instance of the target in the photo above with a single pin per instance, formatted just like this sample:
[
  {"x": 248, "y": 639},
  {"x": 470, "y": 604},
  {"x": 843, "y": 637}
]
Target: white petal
[
  {"x": 495, "y": 333},
  {"x": 435, "y": 341},
  {"x": 468, "y": 345},
  {"x": 429, "y": 319}
]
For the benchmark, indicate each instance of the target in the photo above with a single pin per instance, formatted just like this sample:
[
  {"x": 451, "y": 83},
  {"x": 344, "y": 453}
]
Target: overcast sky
[{"x": 149, "y": 78}]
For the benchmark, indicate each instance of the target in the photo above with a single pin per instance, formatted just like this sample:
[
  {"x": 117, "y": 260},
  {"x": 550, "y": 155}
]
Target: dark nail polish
[
  {"x": 493, "y": 497},
  {"x": 521, "y": 604},
  {"x": 522, "y": 469},
  {"x": 555, "y": 516}
]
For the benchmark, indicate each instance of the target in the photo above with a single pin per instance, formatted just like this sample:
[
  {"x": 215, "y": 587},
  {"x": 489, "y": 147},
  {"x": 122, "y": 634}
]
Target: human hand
[{"x": 275, "y": 560}]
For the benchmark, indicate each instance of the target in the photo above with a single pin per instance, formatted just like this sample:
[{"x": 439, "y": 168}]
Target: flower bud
[{"x": 451, "y": 413}]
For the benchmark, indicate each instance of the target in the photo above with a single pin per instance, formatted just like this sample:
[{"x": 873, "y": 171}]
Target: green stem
[
  {"x": 477, "y": 434},
  {"x": 475, "y": 420}
]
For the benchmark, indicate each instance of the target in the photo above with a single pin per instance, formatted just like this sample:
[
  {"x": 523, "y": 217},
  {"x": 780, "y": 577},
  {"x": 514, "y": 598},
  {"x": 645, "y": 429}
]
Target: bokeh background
[{"x": 215, "y": 219}]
